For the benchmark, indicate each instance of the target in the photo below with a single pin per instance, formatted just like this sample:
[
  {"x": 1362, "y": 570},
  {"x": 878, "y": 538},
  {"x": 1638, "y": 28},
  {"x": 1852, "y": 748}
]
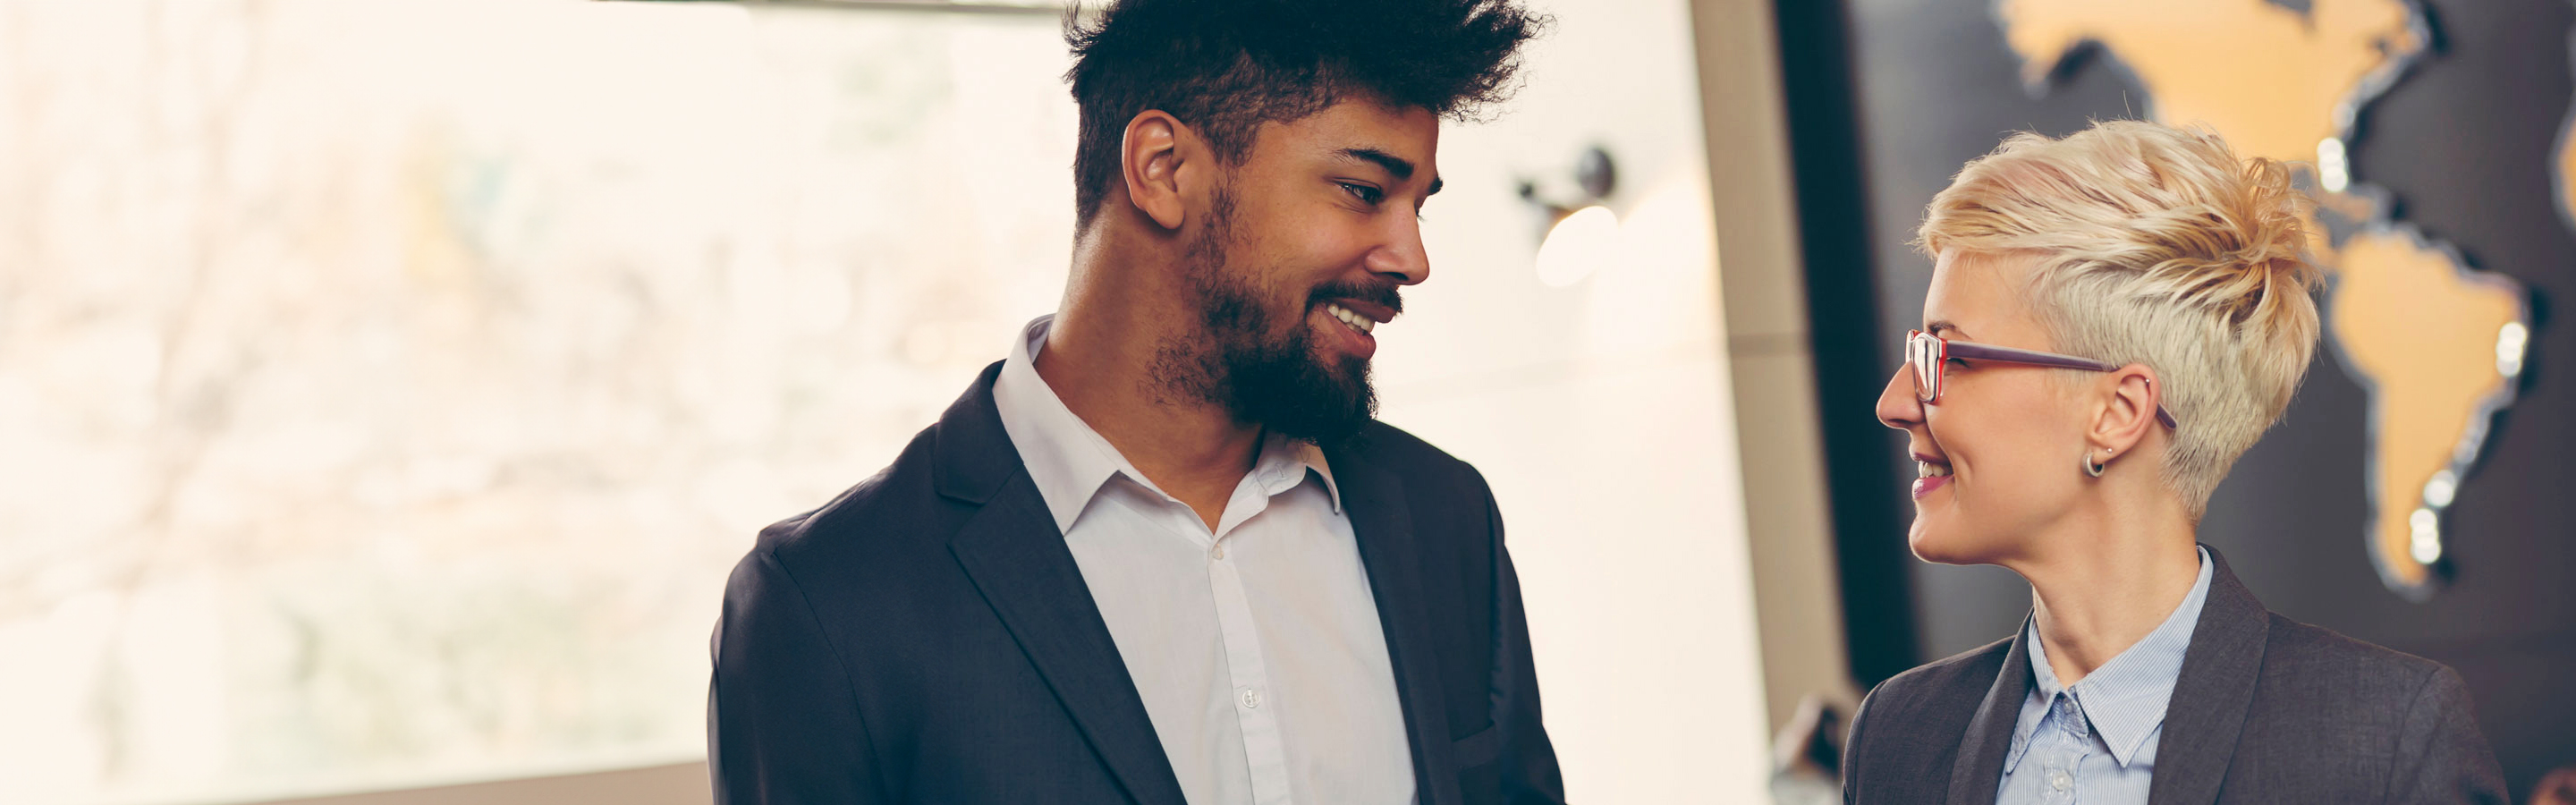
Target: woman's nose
[{"x": 1897, "y": 407}]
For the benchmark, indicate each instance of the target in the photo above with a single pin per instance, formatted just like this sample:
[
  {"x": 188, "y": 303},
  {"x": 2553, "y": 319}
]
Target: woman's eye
[
  {"x": 1366, "y": 194},
  {"x": 1957, "y": 362}
]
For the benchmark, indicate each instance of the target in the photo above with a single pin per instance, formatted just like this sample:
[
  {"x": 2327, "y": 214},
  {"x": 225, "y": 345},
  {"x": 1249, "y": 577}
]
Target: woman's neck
[{"x": 2106, "y": 580}]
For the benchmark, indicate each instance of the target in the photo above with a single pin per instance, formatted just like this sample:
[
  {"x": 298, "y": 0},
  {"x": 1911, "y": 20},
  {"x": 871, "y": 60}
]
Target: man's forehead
[{"x": 1410, "y": 134}]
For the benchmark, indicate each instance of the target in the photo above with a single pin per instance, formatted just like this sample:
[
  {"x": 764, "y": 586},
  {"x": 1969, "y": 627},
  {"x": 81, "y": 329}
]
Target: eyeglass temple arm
[
  {"x": 1961, "y": 349},
  {"x": 1969, "y": 351}
]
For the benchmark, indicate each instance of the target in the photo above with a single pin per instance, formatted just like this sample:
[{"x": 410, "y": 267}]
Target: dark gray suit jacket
[
  {"x": 2267, "y": 710},
  {"x": 927, "y": 638}
]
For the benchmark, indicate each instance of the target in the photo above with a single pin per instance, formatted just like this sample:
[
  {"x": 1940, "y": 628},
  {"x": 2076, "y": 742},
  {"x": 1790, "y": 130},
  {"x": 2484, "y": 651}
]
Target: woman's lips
[{"x": 1924, "y": 486}]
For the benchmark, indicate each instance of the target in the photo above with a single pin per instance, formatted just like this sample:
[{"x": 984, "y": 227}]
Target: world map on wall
[{"x": 2438, "y": 344}]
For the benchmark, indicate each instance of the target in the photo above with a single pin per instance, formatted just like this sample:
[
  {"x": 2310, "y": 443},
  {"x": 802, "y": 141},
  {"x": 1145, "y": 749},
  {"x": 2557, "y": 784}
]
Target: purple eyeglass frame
[{"x": 1924, "y": 353}]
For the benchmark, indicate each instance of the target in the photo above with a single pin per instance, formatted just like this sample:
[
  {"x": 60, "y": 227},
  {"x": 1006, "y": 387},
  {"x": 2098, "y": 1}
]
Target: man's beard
[{"x": 1263, "y": 373}]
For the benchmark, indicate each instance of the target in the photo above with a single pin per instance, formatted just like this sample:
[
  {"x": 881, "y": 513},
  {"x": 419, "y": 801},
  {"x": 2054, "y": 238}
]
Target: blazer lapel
[
  {"x": 1980, "y": 765},
  {"x": 1012, "y": 551},
  {"x": 2212, "y": 695},
  {"x": 1383, "y": 524}
]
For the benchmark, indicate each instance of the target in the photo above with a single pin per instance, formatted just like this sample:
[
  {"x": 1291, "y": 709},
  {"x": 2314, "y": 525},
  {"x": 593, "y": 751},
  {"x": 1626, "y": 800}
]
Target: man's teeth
[
  {"x": 1356, "y": 321},
  {"x": 1926, "y": 469}
]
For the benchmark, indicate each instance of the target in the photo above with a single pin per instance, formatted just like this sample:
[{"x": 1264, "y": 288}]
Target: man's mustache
[{"x": 1383, "y": 294}]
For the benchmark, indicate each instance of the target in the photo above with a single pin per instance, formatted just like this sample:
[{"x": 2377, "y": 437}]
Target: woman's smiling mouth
[{"x": 1929, "y": 475}]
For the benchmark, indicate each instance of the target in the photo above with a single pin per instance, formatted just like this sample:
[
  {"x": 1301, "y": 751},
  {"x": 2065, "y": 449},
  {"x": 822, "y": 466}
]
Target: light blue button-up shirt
[{"x": 2095, "y": 742}]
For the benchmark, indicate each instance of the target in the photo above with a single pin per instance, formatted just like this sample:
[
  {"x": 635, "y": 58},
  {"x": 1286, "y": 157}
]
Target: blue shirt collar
[{"x": 2125, "y": 699}]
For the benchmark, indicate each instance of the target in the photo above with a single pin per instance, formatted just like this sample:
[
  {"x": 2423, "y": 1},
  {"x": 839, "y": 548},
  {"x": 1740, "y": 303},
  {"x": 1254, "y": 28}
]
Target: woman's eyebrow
[{"x": 1939, "y": 325}]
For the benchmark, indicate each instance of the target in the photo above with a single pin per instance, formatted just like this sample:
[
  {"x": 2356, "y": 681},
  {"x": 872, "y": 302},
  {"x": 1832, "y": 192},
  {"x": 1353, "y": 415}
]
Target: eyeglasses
[{"x": 1924, "y": 353}]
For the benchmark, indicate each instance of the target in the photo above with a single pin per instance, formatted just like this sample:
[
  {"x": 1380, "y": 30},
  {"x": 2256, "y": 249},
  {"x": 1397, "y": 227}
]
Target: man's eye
[{"x": 1366, "y": 194}]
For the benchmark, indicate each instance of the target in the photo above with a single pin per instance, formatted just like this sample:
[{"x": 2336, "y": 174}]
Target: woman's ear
[
  {"x": 1157, "y": 150},
  {"x": 2126, "y": 410}
]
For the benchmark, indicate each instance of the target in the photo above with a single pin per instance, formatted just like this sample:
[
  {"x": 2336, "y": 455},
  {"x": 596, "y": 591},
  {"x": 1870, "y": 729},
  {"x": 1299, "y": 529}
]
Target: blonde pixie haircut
[{"x": 2156, "y": 246}]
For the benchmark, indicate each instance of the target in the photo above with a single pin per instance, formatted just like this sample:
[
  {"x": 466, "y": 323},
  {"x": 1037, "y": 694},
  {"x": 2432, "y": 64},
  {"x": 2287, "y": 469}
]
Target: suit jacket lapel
[
  {"x": 1383, "y": 523},
  {"x": 1979, "y": 768},
  {"x": 2212, "y": 695},
  {"x": 1012, "y": 551}
]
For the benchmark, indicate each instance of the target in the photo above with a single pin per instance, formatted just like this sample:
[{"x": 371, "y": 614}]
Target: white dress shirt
[
  {"x": 2094, "y": 742},
  {"x": 1256, "y": 645}
]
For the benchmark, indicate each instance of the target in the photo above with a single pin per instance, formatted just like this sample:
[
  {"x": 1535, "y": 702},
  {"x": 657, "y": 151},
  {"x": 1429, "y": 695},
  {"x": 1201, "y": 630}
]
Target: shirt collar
[
  {"x": 1069, "y": 462},
  {"x": 2125, "y": 699}
]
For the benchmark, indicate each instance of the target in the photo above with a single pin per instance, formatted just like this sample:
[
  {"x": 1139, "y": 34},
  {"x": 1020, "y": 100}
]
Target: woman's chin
[{"x": 1931, "y": 545}]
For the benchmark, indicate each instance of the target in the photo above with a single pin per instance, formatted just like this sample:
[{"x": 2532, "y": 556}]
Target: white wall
[{"x": 1599, "y": 411}]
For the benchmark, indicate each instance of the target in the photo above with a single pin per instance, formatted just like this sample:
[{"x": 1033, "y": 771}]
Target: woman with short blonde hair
[{"x": 2114, "y": 317}]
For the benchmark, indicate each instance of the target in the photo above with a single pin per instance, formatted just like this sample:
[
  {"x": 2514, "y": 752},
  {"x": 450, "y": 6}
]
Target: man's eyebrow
[
  {"x": 1939, "y": 325},
  {"x": 1402, "y": 168}
]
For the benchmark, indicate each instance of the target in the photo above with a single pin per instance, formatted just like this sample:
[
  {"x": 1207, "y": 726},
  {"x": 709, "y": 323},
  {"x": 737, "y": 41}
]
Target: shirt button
[
  {"x": 2060, "y": 781},
  {"x": 1218, "y": 552},
  {"x": 1251, "y": 698}
]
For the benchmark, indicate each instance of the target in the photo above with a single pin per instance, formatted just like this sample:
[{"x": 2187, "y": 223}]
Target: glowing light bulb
[
  {"x": 2334, "y": 173},
  {"x": 2438, "y": 491},
  {"x": 1578, "y": 246},
  {"x": 2510, "y": 341},
  {"x": 2426, "y": 541}
]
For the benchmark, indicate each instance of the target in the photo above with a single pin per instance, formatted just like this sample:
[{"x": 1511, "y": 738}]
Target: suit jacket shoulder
[
  {"x": 887, "y": 507},
  {"x": 872, "y": 650},
  {"x": 1439, "y": 488},
  {"x": 1932, "y": 683},
  {"x": 1391, "y": 447},
  {"x": 2335, "y": 711},
  {"x": 1908, "y": 728},
  {"x": 2326, "y": 659}
]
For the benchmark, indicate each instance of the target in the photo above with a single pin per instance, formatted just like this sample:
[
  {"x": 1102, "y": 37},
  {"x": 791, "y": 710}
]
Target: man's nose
[{"x": 1402, "y": 259}]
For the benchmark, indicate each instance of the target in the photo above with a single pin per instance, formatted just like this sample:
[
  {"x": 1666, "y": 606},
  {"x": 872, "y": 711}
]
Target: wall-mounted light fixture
[{"x": 1580, "y": 236}]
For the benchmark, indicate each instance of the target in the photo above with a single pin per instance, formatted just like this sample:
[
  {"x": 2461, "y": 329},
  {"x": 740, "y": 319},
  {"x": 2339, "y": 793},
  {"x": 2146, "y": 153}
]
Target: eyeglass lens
[{"x": 1920, "y": 349}]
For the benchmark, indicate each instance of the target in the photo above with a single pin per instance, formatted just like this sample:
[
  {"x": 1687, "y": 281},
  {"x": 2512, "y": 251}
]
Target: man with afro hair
[{"x": 1162, "y": 553}]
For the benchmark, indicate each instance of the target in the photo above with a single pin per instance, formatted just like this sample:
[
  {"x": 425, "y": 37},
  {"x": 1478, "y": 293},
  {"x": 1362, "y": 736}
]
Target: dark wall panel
[
  {"x": 1816, "y": 67},
  {"x": 2464, "y": 144}
]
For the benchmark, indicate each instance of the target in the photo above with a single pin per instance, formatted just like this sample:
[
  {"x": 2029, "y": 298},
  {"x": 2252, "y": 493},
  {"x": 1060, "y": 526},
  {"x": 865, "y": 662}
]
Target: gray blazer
[{"x": 2267, "y": 710}]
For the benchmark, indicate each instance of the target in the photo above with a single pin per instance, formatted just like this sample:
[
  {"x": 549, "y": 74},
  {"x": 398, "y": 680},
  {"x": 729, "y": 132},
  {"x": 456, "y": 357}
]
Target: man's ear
[
  {"x": 1158, "y": 154},
  {"x": 2128, "y": 413}
]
